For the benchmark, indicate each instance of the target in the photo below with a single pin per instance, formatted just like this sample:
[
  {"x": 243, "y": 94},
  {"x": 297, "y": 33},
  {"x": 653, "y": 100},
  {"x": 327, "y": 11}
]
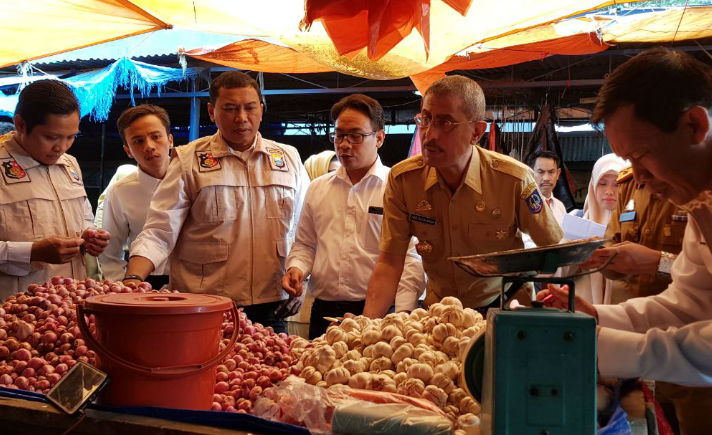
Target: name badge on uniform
[
  {"x": 73, "y": 174},
  {"x": 277, "y": 160},
  {"x": 206, "y": 161},
  {"x": 375, "y": 210},
  {"x": 627, "y": 216},
  {"x": 531, "y": 196},
  {"x": 422, "y": 219},
  {"x": 13, "y": 173}
]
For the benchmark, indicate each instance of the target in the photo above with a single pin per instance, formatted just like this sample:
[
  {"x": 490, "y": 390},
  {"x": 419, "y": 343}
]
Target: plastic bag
[
  {"x": 341, "y": 409},
  {"x": 617, "y": 424}
]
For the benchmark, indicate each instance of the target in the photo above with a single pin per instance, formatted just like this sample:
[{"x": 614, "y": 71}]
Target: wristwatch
[
  {"x": 128, "y": 277},
  {"x": 665, "y": 263}
]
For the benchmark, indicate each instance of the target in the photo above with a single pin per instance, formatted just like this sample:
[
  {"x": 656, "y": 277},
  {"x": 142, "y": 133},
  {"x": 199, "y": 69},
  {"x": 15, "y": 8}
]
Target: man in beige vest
[
  {"x": 227, "y": 208},
  {"x": 45, "y": 217}
]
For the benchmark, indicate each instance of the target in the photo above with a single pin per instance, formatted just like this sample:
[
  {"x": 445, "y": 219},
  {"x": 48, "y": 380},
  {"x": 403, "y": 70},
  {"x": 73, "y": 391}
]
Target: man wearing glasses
[
  {"x": 457, "y": 199},
  {"x": 340, "y": 224}
]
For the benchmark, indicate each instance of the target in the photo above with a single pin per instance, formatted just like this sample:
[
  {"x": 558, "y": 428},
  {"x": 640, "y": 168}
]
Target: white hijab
[{"x": 608, "y": 164}]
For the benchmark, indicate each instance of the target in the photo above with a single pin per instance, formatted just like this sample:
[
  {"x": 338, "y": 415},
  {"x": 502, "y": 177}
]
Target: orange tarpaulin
[
  {"x": 377, "y": 24},
  {"x": 492, "y": 57},
  {"x": 258, "y": 55}
]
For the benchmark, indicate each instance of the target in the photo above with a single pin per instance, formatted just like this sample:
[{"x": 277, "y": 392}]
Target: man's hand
[
  {"x": 292, "y": 281},
  {"x": 558, "y": 297},
  {"x": 56, "y": 250},
  {"x": 630, "y": 259},
  {"x": 95, "y": 241}
]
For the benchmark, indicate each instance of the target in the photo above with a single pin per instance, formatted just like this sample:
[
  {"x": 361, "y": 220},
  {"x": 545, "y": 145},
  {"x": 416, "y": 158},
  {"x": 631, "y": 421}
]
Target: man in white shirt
[
  {"x": 656, "y": 108},
  {"x": 145, "y": 133},
  {"x": 227, "y": 208},
  {"x": 340, "y": 225},
  {"x": 45, "y": 217},
  {"x": 547, "y": 169}
]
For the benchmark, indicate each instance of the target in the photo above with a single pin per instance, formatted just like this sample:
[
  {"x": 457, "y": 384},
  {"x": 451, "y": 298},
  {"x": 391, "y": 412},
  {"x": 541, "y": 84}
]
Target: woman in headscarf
[
  {"x": 322, "y": 163},
  {"x": 600, "y": 203}
]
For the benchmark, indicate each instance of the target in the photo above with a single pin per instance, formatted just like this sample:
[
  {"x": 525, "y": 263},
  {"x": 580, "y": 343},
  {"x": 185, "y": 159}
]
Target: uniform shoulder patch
[
  {"x": 409, "y": 164},
  {"x": 625, "y": 175},
  {"x": 532, "y": 197}
]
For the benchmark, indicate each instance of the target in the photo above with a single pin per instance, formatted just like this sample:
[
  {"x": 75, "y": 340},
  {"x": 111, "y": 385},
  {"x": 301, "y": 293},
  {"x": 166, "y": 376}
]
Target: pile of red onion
[{"x": 40, "y": 341}]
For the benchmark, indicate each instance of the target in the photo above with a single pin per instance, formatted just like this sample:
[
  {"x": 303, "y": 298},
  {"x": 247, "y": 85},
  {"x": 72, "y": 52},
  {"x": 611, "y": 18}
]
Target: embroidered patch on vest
[
  {"x": 206, "y": 161},
  {"x": 13, "y": 173},
  {"x": 276, "y": 160},
  {"x": 533, "y": 199},
  {"x": 73, "y": 174}
]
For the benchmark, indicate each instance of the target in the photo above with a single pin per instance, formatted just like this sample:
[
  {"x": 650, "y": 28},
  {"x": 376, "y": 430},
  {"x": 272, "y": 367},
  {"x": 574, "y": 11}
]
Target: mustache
[{"x": 432, "y": 144}]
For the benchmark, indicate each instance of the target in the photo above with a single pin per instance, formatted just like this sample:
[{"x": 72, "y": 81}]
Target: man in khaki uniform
[
  {"x": 457, "y": 199},
  {"x": 650, "y": 230},
  {"x": 45, "y": 217},
  {"x": 227, "y": 208}
]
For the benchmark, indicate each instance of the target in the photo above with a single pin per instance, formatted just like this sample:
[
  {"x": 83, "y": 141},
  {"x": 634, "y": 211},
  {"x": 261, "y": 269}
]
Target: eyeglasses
[
  {"x": 353, "y": 138},
  {"x": 446, "y": 126}
]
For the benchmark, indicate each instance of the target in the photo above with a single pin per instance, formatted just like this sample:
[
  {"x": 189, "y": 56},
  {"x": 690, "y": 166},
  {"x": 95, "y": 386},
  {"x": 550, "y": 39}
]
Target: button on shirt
[
  {"x": 126, "y": 204},
  {"x": 338, "y": 235}
]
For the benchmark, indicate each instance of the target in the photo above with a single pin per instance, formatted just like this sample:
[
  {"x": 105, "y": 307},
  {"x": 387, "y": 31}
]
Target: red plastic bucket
[{"x": 159, "y": 349}]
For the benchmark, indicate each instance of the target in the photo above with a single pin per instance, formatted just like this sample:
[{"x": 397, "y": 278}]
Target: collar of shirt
[
  {"x": 377, "y": 170},
  {"x": 220, "y": 148},
  {"x": 25, "y": 160},
  {"x": 145, "y": 179},
  {"x": 473, "y": 177}
]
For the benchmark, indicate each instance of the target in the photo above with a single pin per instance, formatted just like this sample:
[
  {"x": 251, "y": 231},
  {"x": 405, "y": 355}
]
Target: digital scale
[{"x": 534, "y": 369}]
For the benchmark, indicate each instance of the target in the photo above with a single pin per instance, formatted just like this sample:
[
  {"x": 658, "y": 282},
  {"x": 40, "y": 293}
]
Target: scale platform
[{"x": 534, "y": 369}]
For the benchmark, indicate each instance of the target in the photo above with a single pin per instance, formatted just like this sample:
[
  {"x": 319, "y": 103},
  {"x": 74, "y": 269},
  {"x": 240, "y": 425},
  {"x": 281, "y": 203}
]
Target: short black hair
[
  {"x": 232, "y": 79},
  {"x": 364, "y": 104},
  {"x": 545, "y": 155},
  {"x": 42, "y": 98},
  {"x": 131, "y": 114},
  {"x": 660, "y": 84}
]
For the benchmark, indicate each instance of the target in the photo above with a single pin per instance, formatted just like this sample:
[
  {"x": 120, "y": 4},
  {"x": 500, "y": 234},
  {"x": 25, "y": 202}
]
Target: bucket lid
[{"x": 157, "y": 303}]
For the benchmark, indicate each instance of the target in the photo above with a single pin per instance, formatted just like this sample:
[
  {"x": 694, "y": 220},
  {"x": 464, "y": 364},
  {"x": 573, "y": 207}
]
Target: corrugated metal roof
[
  {"x": 158, "y": 43},
  {"x": 583, "y": 147}
]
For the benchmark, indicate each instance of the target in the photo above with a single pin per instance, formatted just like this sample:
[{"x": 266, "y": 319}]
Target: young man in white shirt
[
  {"x": 145, "y": 133},
  {"x": 547, "y": 169},
  {"x": 340, "y": 226}
]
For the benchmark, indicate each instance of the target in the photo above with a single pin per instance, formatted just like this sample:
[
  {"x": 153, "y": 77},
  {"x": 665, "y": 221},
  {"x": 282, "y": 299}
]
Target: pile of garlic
[{"x": 416, "y": 354}]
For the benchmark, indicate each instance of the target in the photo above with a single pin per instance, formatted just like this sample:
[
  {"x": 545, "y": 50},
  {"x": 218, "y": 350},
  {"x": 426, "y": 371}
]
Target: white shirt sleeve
[
  {"x": 300, "y": 198},
  {"x": 412, "y": 282},
  {"x": 304, "y": 248},
  {"x": 169, "y": 208},
  {"x": 115, "y": 222},
  {"x": 15, "y": 258},
  {"x": 667, "y": 336}
]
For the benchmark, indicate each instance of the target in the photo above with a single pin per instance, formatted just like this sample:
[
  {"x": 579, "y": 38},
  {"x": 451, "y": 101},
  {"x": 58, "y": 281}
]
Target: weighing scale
[{"x": 534, "y": 369}]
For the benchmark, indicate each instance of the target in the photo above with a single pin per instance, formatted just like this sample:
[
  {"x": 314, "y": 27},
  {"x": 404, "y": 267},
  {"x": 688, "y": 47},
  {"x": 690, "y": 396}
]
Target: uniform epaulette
[
  {"x": 406, "y": 165},
  {"x": 625, "y": 175},
  {"x": 502, "y": 163}
]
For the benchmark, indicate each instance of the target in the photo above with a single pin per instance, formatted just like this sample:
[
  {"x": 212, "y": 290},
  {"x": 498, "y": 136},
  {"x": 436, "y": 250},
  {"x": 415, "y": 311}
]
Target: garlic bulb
[
  {"x": 451, "y": 301},
  {"x": 436, "y": 395},
  {"x": 420, "y": 371},
  {"x": 412, "y": 387},
  {"x": 334, "y": 334},
  {"x": 360, "y": 380},
  {"x": 381, "y": 363},
  {"x": 354, "y": 366},
  {"x": 338, "y": 375}
]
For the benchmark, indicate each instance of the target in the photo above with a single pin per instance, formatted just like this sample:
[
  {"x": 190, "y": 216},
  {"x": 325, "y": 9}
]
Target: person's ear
[
  {"x": 478, "y": 131},
  {"x": 380, "y": 137},
  {"x": 20, "y": 125},
  {"x": 127, "y": 150},
  {"x": 211, "y": 111},
  {"x": 697, "y": 120}
]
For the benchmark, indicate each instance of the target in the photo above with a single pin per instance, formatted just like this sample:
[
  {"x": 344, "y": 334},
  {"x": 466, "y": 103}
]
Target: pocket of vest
[{"x": 204, "y": 252}]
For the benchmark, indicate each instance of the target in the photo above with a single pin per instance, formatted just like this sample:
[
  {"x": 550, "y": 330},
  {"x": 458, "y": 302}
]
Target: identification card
[{"x": 628, "y": 216}]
